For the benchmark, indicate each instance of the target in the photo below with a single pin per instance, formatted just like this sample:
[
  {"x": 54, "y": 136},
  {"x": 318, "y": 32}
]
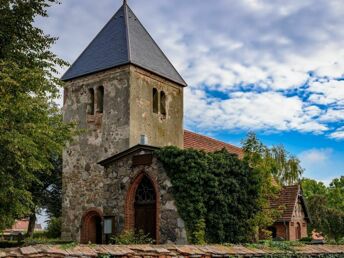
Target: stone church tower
[{"x": 127, "y": 99}]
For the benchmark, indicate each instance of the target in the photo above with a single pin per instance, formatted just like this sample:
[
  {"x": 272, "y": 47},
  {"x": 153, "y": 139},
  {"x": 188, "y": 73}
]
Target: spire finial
[{"x": 125, "y": 2}]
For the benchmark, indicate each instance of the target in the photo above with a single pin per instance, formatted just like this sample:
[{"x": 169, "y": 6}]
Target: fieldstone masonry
[
  {"x": 121, "y": 174},
  {"x": 127, "y": 114}
]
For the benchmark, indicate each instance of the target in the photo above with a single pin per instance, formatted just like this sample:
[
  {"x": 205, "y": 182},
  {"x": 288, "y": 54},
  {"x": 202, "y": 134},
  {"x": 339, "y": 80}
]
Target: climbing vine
[{"x": 216, "y": 194}]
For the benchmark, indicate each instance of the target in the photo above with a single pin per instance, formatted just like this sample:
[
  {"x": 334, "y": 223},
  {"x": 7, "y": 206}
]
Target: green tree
[
  {"x": 312, "y": 187},
  {"x": 276, "y": 167},
  {"x": 31, "y": 127},
  {"x": 284, "y": 167},
  {"x": 335, "y": 194}
]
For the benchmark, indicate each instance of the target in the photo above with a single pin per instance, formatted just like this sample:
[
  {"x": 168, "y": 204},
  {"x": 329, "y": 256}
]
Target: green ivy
[{"x": 216, "y": 194}]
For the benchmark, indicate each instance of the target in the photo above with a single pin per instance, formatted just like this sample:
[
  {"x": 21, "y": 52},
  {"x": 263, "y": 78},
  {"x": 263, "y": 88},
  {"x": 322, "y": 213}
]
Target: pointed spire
[{"x": 123, "y": 40}]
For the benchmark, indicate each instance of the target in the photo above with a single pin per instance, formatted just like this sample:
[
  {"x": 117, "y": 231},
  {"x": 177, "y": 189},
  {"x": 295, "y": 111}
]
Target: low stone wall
[{"x": 169, "y": 251}]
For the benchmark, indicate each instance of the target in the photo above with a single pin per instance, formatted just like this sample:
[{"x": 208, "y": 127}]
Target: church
[{"x": 127, "y": 99}]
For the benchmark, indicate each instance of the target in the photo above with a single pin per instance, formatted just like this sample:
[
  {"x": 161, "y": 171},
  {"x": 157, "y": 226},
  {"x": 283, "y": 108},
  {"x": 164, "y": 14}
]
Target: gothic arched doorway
[
  {"x": 298, "y": 231},
  {"x": 145, "y": 208},
  {"x": 91, "y": 231}
]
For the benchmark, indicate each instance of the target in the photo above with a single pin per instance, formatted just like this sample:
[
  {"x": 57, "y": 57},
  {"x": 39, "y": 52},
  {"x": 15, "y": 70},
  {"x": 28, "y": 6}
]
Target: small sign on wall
[{"x": 108, "y": 225}]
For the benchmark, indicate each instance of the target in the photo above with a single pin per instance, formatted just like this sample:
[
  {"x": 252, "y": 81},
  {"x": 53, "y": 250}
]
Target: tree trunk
[{"x": 32, "y": 224}]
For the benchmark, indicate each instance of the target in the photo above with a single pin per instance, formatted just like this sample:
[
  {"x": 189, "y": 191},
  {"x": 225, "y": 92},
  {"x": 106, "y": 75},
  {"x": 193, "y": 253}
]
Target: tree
[
  {"x": 277, "y": 168},
  {"x": 31, "y": 127},
  {"x": 46, "y": 193},
  {"x": 336, "y": 194},
  {"x": 312, "y": 187},
  {"x": 284, "y": 167}
]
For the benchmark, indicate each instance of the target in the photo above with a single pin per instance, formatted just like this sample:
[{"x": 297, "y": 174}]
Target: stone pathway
[{"x": 160, "y": 251}]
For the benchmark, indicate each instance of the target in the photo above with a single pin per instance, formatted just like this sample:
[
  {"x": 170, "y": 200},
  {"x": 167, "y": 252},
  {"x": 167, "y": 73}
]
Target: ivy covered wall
[{"x": 216, "y": 194}]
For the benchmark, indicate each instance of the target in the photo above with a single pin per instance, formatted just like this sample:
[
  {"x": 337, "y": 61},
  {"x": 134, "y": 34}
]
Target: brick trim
[
  {"x": 85, "y": 220},
  {"x": 130, "y": 201}
]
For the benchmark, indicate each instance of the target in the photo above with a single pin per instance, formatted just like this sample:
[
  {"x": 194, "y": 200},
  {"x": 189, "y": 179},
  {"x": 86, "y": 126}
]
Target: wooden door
[
  {"x": 145, "y": 208},
  {"x": 94, "y": 229}
]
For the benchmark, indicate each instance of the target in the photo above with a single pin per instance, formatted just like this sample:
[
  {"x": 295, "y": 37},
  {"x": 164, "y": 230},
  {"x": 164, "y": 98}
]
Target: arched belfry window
[
  {"x": 90, "y": 104},
  {"x": 100, "y": 99},
  {"x": 163, "y": 103},
  {"x": 155, "y": 101}
]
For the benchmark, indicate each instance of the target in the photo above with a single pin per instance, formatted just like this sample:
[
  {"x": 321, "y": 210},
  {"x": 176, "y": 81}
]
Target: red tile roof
[
  {"x": 200, "y": 142},
  {"x": 287, "y": 200}
]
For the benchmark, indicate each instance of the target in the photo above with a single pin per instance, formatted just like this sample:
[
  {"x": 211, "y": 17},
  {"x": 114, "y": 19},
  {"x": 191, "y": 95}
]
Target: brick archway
[
  {"x": 130, "y": 204},
  {"x": 91, "y": 227}
]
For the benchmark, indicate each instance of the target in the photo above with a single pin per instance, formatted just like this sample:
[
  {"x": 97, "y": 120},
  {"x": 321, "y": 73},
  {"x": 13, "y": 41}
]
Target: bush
[
  {"x": 130, "y": 237},
  {"x": 54, "y": 228}
]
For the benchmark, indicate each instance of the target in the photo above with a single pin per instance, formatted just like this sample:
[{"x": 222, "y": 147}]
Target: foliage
[
  {"x": 312, "y": 187},
  {"x": 31, "y": 124},
  {"x": 260, "y": 158},
  {"x": 326, "y": 207},
  {"x": 54, "y": 228},
  {"x": 216, "y": 188},
  {"x": 131, "y": 237},
  {"x": 276, "y": 161}
]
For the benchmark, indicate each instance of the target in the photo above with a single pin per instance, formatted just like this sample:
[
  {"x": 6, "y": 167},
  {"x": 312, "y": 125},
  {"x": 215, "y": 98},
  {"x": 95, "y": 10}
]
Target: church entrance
[
  {"x": 145, "y": 208},
  {"x": 91, "y": 228}
]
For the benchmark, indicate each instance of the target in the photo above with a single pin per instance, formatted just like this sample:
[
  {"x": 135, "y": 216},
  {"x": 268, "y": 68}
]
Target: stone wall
[
  {"x": 120, "y": 175},
  {"x": 169, "y": 251},
  {"x": 160, "y": 130},
  {"x": 101, "y": 135}
]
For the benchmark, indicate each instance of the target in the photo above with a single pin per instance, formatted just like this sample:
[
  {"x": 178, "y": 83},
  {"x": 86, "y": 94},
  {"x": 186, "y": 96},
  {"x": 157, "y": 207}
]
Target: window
[
  {"x": 100, "y": 99},
  {"x": 163, "y": 103},
  {"x": 90, "y": 105},
  {"x": 155, "y": 101}
]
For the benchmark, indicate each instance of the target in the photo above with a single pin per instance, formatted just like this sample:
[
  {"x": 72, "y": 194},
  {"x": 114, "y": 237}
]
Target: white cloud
[
  {"x": 259, "y": 111},
  {"x": 314, "y": 156},
  {"x": 325, "y": 93},
  {"x": 338, "y": 134}
]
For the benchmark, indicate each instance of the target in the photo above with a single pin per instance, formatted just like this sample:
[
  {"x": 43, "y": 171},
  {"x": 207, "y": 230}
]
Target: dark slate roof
[
  {"x": 123, "y": 40},
  {"x": 286, "y": 201}
]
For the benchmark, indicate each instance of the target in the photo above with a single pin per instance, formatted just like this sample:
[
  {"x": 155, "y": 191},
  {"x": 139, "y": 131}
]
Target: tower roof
[{"x": 123, "y": 40}]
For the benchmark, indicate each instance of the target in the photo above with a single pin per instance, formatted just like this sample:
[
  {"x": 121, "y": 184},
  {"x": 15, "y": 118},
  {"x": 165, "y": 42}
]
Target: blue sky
[{"x": 273, "y": 67}]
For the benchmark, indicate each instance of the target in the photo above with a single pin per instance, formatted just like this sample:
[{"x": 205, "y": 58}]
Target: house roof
[
  {"x": 200, "y": 142},
  {"x": 123, "y": 40},
  {"x": 286, "y": 201}
]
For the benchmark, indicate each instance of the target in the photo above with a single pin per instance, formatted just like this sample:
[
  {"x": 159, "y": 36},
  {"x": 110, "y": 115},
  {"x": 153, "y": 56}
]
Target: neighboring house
[
  {"x": 127, "y": 98},
  {"x": 292, "y": 224},
  {"x": 19, "y": 228}
]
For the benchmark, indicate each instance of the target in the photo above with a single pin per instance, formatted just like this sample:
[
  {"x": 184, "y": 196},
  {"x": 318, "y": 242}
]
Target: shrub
[
  {"x": 54, "y": 228},
  {"x": 130, "y": 237}
]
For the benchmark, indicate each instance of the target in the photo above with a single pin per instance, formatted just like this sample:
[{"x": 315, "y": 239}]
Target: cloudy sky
[{"x": 273, "y": 67}]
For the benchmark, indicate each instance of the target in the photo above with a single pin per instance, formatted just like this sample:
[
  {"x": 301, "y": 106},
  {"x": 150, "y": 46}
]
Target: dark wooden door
[
  {"x": 94, "y": 230},
  {"x": 145, "y": 219},
  {"x": 145, "y": 208}
]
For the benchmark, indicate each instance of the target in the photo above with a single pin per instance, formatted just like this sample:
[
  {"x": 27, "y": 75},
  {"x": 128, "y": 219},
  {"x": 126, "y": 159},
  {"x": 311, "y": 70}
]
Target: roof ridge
[
  {"x": 126, "y": 21},
  {"x": 158, "y": 47},
  {"x": 213, "y": 139}
]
